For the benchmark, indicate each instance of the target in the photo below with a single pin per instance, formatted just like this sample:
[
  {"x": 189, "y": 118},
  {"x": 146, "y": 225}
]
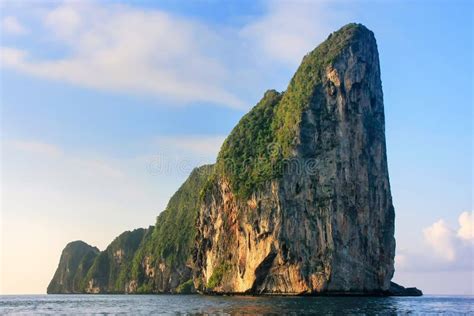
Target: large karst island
[{"x": 297, "y": 203}]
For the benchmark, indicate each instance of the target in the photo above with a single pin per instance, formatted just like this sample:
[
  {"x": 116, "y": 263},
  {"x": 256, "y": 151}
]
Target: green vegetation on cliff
[
  {"x": 112, "y": 267},
  {"x": 172, "y": 238},
  {"x": 247, "y": 157},
  {"x": 175, "y": 228},
  {"x": 158, "y": 259},
  {"x": 256, "y": 149},
  {"x": 218, "y": 275},
  {"x": 308, "y": 79},
  {"x": 186, "y": 287},
  {"x": 125, "y": 265},
  {"x": 76, "y": 259}
]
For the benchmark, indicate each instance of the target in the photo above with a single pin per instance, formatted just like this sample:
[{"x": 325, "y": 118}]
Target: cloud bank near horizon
[
  {"x": 444, "y": 248},
  {"x": 444, "y": 260}
]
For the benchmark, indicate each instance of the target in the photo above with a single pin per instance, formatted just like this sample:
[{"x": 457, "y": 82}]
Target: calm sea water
[{"x": 221, "y": 305}]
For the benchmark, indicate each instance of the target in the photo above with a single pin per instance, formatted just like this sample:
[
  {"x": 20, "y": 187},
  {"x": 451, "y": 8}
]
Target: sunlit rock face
[
  {"x": 298, "y": 201},
  {"x": 325, "y": 223}
]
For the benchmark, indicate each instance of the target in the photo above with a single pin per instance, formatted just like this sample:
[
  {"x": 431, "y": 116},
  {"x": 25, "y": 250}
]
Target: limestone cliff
[
  {"x": 76, "y": 259},
  {"x": 163, "y": 263},
  {"x": 111, "y": 269},
  {"x": 153, "y": 260},
  {"x": 300, "y": 202}
]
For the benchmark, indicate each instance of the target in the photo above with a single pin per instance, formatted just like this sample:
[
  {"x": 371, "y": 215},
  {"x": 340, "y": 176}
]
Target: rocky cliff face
[
  {"x": 76, "y": 259},
  {"x": 298, "y": 201},
  {"x": 163, "y": 264},
  {"x": 111, "y": 269},
  {"x": 305, "y": 206},
  {"x": 153, "y": 260}
]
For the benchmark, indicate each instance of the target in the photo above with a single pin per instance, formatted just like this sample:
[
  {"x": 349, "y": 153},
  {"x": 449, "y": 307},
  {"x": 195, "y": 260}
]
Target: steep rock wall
[
  {"x": 298, "y": 201},
  {"x": 76, "y": 259},
  {"x": 322, "y": 221}
]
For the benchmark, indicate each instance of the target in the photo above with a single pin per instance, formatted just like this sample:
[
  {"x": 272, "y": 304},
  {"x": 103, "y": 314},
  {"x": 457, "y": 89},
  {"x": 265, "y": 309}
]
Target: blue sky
[{"x": 107, "y": 106}]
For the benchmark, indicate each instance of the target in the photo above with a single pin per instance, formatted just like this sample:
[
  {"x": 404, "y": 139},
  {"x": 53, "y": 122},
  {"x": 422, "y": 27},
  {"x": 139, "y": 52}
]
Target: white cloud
[
  {"x": 443, "y": 264},
  {"x": 450, "y": 244},
  {"x": 11, "y": 25},
  {"x": 466, "y": 226},
  {"x": 64, "y": 20},
  {"x": 11, "y": 56},
  {"x": 445, "y": 249},
  {"x": 121, "y": 48},
  {"x": 126, "y": 49},
  {"x": 289, "y": 29},
  {"x": 441, "y": 239}
]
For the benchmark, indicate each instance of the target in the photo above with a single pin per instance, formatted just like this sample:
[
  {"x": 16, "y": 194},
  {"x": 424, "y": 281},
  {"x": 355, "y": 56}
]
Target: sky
[{"x": 107, "y": 106}]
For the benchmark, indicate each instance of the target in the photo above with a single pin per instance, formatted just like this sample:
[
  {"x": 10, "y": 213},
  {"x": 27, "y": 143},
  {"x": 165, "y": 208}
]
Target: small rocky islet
[{"x": 297, "y": 203}]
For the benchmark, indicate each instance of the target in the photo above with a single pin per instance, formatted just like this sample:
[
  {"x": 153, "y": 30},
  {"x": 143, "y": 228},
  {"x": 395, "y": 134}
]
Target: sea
[{"x": 232, "y": 305}]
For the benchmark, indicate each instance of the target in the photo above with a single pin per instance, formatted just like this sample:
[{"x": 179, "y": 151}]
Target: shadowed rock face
[
  {"x": 110, "y": 271},
  {"x": 325, "y": 223},
  {"x": 76, "y": 259},
  {"x": 398, "y": 290},
  {"x": 298, "y": 201}
]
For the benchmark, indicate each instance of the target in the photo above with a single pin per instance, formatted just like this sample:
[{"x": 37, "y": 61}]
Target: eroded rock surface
[
  {"x": 76, "y": 260},
  {"x": 326, "y": 222},
  {"x": 298, "y": 201}
]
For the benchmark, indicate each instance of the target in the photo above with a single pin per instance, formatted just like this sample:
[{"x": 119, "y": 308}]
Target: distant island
[{"x": 297, "y": 203}]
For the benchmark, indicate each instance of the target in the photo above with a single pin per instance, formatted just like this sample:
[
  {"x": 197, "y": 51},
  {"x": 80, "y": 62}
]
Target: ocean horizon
[{"x": 194, "y": 304}]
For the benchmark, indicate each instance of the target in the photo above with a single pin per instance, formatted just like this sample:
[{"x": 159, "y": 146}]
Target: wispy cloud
[
  {"x": 11, "y": 25},
  {"x": 121, "y": 48},
  {"x": 126, "y": 49},
  {"x": 288, "y": 31}
]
